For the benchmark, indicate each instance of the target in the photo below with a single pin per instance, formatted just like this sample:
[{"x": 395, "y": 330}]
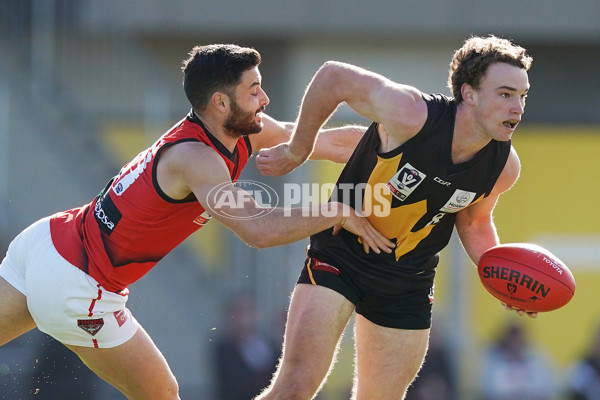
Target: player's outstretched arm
[
  {"x": 274, "y": 227},
  {"x": 272, "y": 144},
  {"x": 400, "y": 108}
]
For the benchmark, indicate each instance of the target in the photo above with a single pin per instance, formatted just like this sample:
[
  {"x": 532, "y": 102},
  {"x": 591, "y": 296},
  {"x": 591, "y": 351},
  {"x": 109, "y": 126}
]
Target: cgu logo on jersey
[{"x": 405, "y": 181}]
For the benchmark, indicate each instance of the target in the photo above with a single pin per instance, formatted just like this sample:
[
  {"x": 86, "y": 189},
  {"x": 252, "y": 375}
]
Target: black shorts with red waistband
[{"x": 403, "y": 299}]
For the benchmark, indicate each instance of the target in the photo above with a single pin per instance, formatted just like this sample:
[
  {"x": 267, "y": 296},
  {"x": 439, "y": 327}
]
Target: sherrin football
[{"x": 526, "y": 277}]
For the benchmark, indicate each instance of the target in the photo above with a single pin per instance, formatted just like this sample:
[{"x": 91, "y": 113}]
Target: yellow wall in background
[{"x": 554, "y": 201}]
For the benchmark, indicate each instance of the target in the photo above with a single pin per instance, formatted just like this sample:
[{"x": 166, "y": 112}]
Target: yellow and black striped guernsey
[{"x": 411, "y": 194}]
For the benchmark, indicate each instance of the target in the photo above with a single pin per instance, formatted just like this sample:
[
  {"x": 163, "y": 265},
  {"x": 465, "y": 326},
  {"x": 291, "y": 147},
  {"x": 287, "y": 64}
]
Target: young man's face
[
  {"x": 501, "y": 100},
  {"x": 247, "y": 105}
]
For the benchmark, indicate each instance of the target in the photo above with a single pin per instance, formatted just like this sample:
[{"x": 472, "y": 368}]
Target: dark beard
[{"x": 240, "y": 122}]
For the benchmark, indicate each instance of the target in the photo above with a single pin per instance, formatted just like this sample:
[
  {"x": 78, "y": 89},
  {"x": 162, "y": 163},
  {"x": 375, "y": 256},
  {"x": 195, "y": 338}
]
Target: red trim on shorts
[
  {"x": 95, "y": 343},
  {"x": 319, "y": 265},
  {"x": 91, "y": 309}
]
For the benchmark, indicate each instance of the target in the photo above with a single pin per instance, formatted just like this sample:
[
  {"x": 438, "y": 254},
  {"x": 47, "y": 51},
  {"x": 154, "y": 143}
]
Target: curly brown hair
[{"x": 470, "y": 63}]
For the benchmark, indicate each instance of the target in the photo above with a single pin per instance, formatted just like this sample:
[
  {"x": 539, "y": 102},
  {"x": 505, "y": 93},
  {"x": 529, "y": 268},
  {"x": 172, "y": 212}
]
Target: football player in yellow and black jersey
[{"x": 427, "y": 164}]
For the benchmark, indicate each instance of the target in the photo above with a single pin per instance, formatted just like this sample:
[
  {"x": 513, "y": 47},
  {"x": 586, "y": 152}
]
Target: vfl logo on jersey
[
  {"x": 91, "y": 326},
  {"x": 459, "y": 200},
  {"x": 405, "y": 181}
]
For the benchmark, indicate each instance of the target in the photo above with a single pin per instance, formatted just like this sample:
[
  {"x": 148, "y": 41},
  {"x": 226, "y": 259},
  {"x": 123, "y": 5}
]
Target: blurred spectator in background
[
  {"x": 513, "y": 369},
  {"x": 584, "y": 377},
  {"x": 435, "y": 380},
  {"x": 244, "y": 357}
]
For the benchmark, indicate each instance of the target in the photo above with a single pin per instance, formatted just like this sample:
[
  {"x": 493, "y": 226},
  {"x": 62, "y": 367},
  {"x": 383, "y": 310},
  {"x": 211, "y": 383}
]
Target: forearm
[
  {"x": 337, "y": 144},
  {"x": 283, "y": 226},
  {"x": 477, "y": 236},
  {"x": 319, "y": 102}
]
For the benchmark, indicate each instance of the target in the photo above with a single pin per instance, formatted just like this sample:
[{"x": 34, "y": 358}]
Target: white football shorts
[{"x": 65, "y": 302}]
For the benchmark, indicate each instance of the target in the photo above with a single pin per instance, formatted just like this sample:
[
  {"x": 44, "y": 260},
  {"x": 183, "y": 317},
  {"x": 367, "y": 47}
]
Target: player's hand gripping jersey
[{"x": 132, "y": 224}]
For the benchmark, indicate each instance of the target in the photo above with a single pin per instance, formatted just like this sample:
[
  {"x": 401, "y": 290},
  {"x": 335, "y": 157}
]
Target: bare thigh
[
  {"x": 137, "y": 368},
  {"x": 387, "y": 359},
  {"x": 15, "y": 319},
  {"x": 316, "y": 321}
]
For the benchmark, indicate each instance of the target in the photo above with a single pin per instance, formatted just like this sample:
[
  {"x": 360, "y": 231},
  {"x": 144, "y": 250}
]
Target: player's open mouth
[{"x": 512, "y": 124}]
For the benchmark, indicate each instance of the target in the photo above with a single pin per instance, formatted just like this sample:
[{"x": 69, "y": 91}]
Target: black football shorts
[{"x": 384, "y": 295}]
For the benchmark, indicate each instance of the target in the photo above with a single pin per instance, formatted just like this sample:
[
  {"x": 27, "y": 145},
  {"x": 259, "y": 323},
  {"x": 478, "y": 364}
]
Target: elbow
[
  {"x": 253, "y": 233},
  {"x": 259, "y": 243},
  {"x": 335, "y": 79},
  {"x": 330, "y": 70},
  {"x": 257, "y": 240}
]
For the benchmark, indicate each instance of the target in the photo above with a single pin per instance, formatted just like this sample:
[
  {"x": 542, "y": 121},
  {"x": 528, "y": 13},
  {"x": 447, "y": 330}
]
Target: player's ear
[
  {"x": 468, "y": 93},
  {"x": 220, "y": 101}
]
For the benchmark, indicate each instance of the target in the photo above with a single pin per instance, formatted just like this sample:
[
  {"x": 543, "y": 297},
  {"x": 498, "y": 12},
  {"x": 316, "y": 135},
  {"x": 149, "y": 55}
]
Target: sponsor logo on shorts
[
  {"x": 91, "y": 326},
  {"x": 121, "y": 317}
]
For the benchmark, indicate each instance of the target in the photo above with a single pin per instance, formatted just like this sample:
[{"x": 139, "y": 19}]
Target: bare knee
[
  {"x": 168, "y": 390},
  {"x": 292, "y": 392},
  {"x": 136, "y": 368},
  {"x": 294, "y": 381}
]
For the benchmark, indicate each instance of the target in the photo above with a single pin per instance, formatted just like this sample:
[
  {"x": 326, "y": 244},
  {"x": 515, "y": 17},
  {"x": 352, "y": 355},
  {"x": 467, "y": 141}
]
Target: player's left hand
[
  {"x": 370, "y": 237},
  {"x": 277, "y": 160},
  {"x": 530, "y": 314}
]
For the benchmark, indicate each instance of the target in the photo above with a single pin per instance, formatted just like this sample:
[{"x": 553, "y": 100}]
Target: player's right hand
[
  {"x": 277, "y": 160},
  {"x": 530, "y": 314}
]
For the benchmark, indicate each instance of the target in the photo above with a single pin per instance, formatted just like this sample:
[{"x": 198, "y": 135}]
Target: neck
[
  {"x": 468, "y": 137},
  {"x": 215, "y": 127}
]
